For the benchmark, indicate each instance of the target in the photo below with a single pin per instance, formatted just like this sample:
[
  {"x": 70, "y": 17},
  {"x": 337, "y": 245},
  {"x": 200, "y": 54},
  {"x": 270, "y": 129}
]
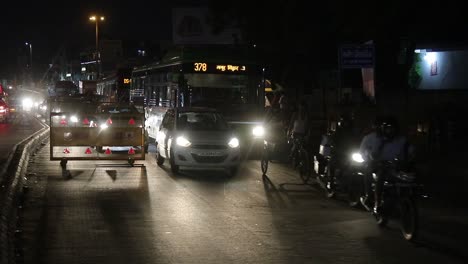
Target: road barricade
[{"x": 97, "y": 136}]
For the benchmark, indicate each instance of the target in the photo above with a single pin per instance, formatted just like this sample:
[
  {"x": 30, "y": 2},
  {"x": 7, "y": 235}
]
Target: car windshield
[{"x": 201, "y": 121}]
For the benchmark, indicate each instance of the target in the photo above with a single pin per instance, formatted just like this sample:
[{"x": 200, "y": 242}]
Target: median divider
[{"x": 12, "y": 179}]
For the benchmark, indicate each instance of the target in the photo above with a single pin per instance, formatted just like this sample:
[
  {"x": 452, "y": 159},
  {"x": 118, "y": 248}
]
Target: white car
[{"x": 197, "y": 138}]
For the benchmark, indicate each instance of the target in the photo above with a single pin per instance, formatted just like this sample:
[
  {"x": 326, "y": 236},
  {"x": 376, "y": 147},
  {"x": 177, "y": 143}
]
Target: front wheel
[
  {"x": 408, "y": 218},
  {"x": 330, "y": 189},
  {"x": 304, "y": 165},
  {"x": 264, "y": 162},
  {"x": 159, "y": 159},
  {"x": 354, "y": 190},
  {"x": 174, "y": 167}
]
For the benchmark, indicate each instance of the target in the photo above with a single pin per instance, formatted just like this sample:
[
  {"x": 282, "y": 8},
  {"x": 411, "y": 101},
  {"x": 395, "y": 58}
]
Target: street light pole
[
  {"x": 97, "y": 56},
  {"x": 30, "y": 53}
]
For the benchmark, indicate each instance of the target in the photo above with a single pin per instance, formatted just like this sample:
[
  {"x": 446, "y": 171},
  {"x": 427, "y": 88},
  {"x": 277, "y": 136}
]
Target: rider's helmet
[{"x": 389, "y": 127}]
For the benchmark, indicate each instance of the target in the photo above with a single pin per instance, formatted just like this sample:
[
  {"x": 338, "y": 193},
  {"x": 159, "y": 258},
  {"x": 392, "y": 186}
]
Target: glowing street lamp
[
  {"x": 30, "y": 53},
  {"x": 96, "y": 19}
]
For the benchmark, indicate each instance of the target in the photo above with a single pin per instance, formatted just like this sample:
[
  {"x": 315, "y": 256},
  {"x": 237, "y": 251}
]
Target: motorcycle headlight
[
  {"x": 183, "y": 142},
  {"x": 357, "y": 157},
  {"x": 233, "y": 143},
  {"x": 258, "y": 131},
  {"x": 73, "y": 119},
  {"x": 104, "y": 126}
]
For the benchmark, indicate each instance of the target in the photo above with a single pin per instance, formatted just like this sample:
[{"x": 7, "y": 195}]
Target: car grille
[
  {"x": 208, "y": 159},
  {"x": 209, "y": 146}
]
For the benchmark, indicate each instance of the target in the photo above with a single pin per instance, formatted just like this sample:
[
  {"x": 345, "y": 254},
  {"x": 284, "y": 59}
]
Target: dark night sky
[{"x": 49, "y": 24}]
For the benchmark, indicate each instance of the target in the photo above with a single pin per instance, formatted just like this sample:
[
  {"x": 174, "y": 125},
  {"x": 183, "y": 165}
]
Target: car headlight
[
  {"x": 183, "y": 142},
  {"x": 73, "y": 119},
  {"x": 357, "y": 157},
  {"x": 27, "y": 103},
  {"x": 258, "y": 131},
  {"x": 233, "y": 143}
]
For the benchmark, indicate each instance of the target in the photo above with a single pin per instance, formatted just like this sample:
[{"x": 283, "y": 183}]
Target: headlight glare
[
  {"x": 183, "y": 142},
  {"x": 233, "y": 143},
  {"x": 258, "y": 131},
  {"x": 357, "y": 157}
]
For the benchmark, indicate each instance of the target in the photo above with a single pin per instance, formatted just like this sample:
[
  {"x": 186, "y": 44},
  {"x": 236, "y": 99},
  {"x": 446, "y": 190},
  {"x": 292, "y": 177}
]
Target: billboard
[
  {"x": 439, "y": 70},
  {"x": 356, "y": 56},
  {"x": 192, "y": 26}
]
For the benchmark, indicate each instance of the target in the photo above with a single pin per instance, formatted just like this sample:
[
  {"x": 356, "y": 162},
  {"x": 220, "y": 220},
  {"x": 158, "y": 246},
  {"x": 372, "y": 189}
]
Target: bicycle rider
[{"x": 299, "y": 125}]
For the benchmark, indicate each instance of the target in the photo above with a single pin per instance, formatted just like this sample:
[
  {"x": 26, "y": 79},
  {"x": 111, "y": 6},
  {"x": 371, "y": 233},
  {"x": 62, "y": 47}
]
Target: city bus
[
  {"x": 228, "y": 79},
  {"x": 115, "y": 87}
]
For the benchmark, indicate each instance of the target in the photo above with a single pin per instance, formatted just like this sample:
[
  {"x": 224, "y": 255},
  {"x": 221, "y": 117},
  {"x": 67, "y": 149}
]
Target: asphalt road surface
[{"x": 108, "y": 212}]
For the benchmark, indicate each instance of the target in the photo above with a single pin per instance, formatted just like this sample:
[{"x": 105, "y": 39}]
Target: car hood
[{"x": 204, "y": 137}]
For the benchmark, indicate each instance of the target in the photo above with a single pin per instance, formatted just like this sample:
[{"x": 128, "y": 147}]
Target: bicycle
[
  {"x": 399, "y": 200},
  {"x": 300, "y": 157}
]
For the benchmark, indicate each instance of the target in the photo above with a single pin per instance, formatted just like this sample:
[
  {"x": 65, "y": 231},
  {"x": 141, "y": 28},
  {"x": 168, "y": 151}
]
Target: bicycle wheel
[
  {"x": 330, "y": 182},
  {"x": 408, "y": 218},
  {"x": 304, "y": 165},
  {"x": 354, "y": 189},
  {"x": 264, "y": 161}
]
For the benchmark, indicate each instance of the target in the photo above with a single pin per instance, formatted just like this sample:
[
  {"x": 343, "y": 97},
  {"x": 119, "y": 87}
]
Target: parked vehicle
[
  {"x": 197, "y": 138},
  {"x": 4, "y": 111}
]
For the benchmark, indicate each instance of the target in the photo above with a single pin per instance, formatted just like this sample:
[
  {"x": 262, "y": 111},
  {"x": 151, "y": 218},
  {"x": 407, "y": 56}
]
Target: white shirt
[{"x": 371, "y": 146}]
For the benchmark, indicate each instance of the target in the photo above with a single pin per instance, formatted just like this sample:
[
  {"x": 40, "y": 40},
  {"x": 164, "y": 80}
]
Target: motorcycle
[
  {"x": 337, "y": 173},
  {"x": 398, "y": 198}
]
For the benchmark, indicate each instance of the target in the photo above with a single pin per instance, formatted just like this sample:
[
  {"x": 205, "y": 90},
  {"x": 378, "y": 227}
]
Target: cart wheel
[
  {"x": 264, "y": 161},
  {"x": 63, "y": 163}
]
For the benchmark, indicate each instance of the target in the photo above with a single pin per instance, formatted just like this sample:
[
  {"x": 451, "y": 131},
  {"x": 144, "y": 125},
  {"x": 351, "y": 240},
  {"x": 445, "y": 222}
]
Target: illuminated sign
[
  {"x": 126, "y": 81},
  {"x": 200, "y": 66},
  {"x": 230, "y": 67},
  {"x": 203, "y": 67}
]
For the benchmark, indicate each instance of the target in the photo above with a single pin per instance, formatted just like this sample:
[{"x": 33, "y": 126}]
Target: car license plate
[{"x": 210, "y": 153}]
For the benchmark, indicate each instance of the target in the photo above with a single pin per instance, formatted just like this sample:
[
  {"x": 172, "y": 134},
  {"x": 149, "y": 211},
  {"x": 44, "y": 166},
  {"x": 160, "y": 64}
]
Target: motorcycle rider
[
  {"x": 383, "y": 144},
  {"x": 343, "y": 140}
]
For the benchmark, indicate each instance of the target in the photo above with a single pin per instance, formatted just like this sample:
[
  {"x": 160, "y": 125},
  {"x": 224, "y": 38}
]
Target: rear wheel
[
  {"x": 381, "y": 220},
  {"x": 408, "y": 218}
]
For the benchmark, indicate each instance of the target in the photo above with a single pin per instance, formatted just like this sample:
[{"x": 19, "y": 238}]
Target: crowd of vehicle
[{"x": 373, "y": 170}]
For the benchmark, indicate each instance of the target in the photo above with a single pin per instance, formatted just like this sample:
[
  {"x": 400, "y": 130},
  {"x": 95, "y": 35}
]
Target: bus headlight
[
  {"x": 233, "y": 143},
  {"x": 258, "y": 131}
]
